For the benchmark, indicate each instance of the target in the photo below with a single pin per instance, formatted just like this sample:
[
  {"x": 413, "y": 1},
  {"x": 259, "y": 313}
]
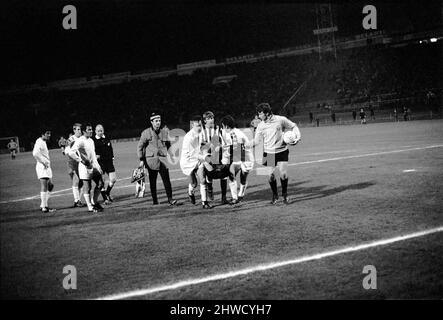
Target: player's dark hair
[
  {"x": 43, "y": 128},
  {"x": 195, "y": 118},
  {"x": 208, "y": 114},
  {"x": 264, "y": 107},
  {"x": 228, "y": 121},
  {"x": 84, "y": 126}
]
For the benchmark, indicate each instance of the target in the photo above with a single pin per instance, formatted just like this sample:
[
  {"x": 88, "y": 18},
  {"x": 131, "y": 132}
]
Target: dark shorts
[
  {"x": 107, "y": 166},
  {"x": 220, "y": 171},
  {"x": 271, "y": 159}
]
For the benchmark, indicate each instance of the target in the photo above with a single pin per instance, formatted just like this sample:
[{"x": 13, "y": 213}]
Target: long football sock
[
  {"x": 203, "y": 192},
  {"x": 273, "y": 184},
  {"x": 233, "y": 188},
  {"x": 96, "y": 195},
  {"x": 104, "y": 194},
  {"x": 80, "y": 189},
  {"x": 109, "y": 188},
  {"x": 88, "y": 201},
  {"x": 284, "y": 186},
  {"x": 42, "y": 198},
  {"x": 224, "y": 187},
  {"x": 242, "y": 191},
  {"x": 76, "y": 193},
  {"x": 48, "y": 195},
  {"x": 190, "y": 189}
]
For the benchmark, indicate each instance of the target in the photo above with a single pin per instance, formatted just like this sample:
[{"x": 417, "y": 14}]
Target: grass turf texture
[{"x": 338, "y": 203}]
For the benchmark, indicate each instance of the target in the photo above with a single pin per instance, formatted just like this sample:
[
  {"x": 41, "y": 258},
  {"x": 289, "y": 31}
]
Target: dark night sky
[{"x": 115, "y": 36}]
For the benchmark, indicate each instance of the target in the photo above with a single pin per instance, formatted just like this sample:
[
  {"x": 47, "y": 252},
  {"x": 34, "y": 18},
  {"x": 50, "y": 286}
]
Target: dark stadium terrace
[{"x": 388, "y": 77}]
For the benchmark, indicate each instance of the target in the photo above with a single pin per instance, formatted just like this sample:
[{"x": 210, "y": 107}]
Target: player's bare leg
[
  {"x": 111, "y": 183},
  {"x": 192, "y": 186},
  {"x": 103, "y": 190},
  {"x": 77, "y": 190},
  {"x": 233, "y": 184},
  {"x": 201, "y": 173},
  {"x": 45, "y": 189},
  {"x": 243, "y": 184}
]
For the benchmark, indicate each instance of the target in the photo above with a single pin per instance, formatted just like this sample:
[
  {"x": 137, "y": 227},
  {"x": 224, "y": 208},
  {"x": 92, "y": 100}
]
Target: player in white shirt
[
  {"x": 241, "y": 158},
  {"x": 83, "y": 151},
  {"x": 193, "y": 163},
  {"x": 73, "y": 166},
  {"x": 276, "y": 152},
  {"x": 43, "y": 169}
]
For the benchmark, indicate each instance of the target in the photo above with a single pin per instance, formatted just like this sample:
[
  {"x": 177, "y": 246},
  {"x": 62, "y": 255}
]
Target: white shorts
[
  {"x": 85, "y": 173},
  {"x": 43, "y": 172}
]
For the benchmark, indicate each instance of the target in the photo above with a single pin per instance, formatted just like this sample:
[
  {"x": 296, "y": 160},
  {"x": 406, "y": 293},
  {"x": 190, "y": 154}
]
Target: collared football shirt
[{"x": 271, "y": 131}]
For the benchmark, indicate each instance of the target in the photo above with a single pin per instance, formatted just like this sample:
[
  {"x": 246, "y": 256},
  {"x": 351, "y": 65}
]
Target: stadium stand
[{"x": 360, "y": 75}]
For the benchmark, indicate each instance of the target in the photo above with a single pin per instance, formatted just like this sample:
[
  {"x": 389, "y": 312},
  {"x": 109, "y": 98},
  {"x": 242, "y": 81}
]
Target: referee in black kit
[
  {"x": 105, "y": 158},
  {"x": 152, "y": 150}
]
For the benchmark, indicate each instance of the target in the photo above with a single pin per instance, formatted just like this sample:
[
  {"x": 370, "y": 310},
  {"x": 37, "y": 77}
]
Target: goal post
[{"x": 4, "y": 144}]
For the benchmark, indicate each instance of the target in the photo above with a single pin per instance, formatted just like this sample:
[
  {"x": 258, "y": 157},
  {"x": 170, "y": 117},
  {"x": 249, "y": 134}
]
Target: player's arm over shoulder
[{"x": 73, "y": 151}]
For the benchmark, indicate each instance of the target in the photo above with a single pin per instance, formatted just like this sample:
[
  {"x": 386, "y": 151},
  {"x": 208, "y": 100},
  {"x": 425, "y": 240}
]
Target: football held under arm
[{"x": 289, "y": 125}]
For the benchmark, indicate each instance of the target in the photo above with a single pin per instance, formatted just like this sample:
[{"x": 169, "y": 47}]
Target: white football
[{"x": 289, "y": 137}]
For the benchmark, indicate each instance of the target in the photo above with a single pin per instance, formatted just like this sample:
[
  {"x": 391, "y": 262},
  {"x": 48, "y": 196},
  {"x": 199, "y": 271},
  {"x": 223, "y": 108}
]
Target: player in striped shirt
[
  {"x": 43, "y": 169},
  {"x": 193, "y": 162},
  {"x": 276, "y": 152},
  {"x": 210, "y": 138},
  {"x": 241, "y": 158}
]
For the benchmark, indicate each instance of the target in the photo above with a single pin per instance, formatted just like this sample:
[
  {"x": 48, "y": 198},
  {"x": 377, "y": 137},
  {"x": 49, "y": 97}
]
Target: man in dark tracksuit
[
  {"x": 105, "y": 158},
  {"x": 152, "y": 150}
]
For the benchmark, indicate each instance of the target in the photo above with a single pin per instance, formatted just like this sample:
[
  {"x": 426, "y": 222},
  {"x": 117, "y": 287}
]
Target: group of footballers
[
  {"x": 209, "y": 152},
  {"x": 89, "y": 158},
  {"x": 222, "y": 152}
]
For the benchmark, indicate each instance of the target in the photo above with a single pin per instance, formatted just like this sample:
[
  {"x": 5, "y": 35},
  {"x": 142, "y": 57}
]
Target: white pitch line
[
  {"x": 366, "y": 155},
  {"x": 269, "y": 266},
  {"x": 409, "y": 170},
  {"x": 291, "y": 164}
]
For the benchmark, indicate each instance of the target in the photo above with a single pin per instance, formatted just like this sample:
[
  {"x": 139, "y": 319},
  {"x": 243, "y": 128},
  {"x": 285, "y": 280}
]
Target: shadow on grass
[{"x": 257, "y": 198}]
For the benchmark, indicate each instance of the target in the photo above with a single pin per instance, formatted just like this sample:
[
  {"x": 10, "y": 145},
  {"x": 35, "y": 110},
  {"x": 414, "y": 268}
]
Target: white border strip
[
  {"x": 263, "y": 267},
  {"x": 291, "y": 164}
]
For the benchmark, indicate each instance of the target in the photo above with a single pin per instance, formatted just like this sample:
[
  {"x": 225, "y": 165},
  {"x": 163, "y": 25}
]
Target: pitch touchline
[
  {"x": 291, "y": 164},
  {"x": 264, "y": 267}
]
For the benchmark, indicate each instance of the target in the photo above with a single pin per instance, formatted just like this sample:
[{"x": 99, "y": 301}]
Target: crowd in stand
[
  {"x": 363, "y": 73},
  {"x": 373, "y": 71}
]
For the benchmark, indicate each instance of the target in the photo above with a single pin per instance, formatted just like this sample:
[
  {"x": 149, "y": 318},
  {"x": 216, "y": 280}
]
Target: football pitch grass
[{"x": 360, "y": 195}]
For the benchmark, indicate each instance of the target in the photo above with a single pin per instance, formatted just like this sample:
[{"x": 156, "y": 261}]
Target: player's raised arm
[{"x": 256, "y": 140}]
